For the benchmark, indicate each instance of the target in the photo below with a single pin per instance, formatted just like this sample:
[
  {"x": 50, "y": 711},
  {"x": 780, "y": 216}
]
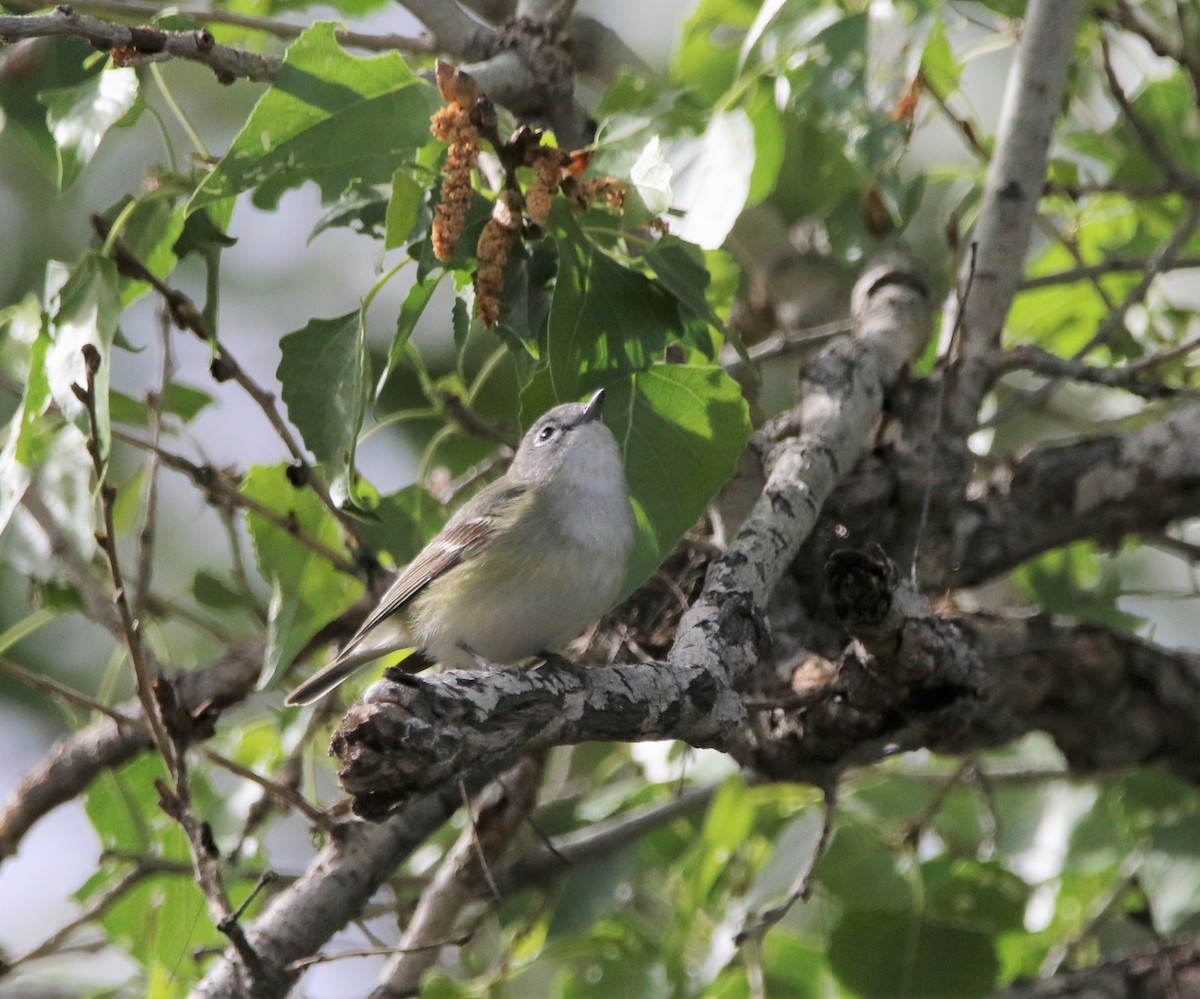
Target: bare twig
[
  {"x": 154, "y": 401},
  {"x": 282, "y": 793},
  {"x": 142, "y": 44},
  {"x": 217, "y": 485},
  {"x": 142, "y": 10},
  {"x": 224, "y": 367},
  {"x": 1090, "y": 272},
  {"x": 52, "y": 688}
]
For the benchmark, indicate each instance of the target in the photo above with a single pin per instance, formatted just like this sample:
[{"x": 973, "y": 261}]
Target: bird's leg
[{"x": 482, "y": 663}]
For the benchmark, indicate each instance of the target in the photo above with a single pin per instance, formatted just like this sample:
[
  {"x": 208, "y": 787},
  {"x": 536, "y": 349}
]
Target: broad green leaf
[
  {"x": 88, "y": 306},
  {"x": 604, "y": 319},
  {"x": 770, "y": 141},
  {"x": 681, "y": 429},
  {"x": 972, "y": 895},
  {"x": 890, "y": 955},
  {"x": 311, "y": 591},
  {"x": 163, "y": 918},
  {"x": 78, "y": 117},
  {"x": 942, "y": 70},
  {"x": 402, "y": 208},
  {"x": 29, "y": 433},
  {"x": 323, "y": 375},
  {"x": 328, "y": 117},
  {"x": 1170, "y": 875},
  {"x": 860, "y": 870}
]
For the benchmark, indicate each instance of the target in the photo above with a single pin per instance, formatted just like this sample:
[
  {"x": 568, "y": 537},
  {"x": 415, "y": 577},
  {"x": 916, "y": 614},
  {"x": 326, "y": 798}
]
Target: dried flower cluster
[
  {"x": 467, "y": 116},
  {"x": 497, "y": 238},
  {"x": 452, "y": 124},
  {"x": 548, "y": 170}
]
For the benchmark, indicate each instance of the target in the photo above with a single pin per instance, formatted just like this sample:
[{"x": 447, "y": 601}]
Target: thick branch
[
  {"x": 407, "y": 736},
  {"x": 990, "y": 278},
  {"x": 1102, "y": 488},
  {"x": 1168, "y": 972},
  {"x": 338, "y": 883}
]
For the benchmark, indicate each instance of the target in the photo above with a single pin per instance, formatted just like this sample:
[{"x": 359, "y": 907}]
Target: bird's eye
[{"x": 547, "y": 433}]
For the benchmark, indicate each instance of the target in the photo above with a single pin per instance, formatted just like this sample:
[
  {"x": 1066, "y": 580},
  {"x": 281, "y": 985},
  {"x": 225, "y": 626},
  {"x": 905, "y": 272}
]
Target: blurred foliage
[{"x": 814, "y": 110}]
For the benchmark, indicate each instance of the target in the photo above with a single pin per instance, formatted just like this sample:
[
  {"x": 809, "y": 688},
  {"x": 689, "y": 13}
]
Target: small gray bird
[{"x": 520, "y": 569}]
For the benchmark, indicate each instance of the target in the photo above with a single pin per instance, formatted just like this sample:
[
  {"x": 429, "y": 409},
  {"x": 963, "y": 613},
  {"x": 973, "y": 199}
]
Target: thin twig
[
  {"x": 217, "y": 485},
  {"x": 802, "y": 886},
  {"x": 139, "y": 45},
  {"x": 95, "y": 908},
  {"x": 154, "y": 405},
  {"x": 286, "y": 795},
  {"x": 308, "y": 962},
  {"x": 1093, "y": 271},
  {"x": 53, "y": 688},
  {"x": 225, "y": 366}
]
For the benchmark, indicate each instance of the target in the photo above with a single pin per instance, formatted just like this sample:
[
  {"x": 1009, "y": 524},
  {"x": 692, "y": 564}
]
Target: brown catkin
[
  {"x": 547, "y": 177},
  {"x": 452, "y": 124},
  {"x": 495, "y": 242}
]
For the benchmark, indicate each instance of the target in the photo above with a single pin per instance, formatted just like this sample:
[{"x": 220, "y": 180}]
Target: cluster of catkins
[{"x": 553, "y": 171}]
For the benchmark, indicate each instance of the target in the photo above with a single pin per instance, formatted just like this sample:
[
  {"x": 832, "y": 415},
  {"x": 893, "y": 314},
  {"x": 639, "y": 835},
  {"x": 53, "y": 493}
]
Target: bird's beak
[{"x": 592, "y": 410}]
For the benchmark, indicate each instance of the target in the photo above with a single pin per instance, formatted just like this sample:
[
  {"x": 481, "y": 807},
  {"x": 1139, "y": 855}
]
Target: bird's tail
[{"x": 324, "y": 680}]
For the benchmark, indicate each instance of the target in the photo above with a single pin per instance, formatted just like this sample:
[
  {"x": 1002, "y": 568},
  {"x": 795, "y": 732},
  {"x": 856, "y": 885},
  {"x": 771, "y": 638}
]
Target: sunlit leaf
[{"x": 78, "y": 117}]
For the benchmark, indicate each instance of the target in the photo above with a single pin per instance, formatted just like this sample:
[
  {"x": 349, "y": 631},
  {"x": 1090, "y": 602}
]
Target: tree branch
[
  {"x": 141, "y": 44},
  {"x": 1102, "y": 488},
  {"x": 74, "y": 761},
  {"x": 1032, "y": 99}
]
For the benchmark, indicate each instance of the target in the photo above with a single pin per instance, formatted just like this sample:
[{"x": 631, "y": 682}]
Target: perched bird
[{"x": 520, "y": 569}]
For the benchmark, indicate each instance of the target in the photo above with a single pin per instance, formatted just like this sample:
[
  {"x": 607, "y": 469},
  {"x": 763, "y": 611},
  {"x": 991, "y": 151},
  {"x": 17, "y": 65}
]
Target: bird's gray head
[{"x": 568, "y": 439}]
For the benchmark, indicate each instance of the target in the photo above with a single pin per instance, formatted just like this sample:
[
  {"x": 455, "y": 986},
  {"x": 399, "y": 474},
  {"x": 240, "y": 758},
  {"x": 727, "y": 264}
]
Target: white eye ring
[{"x": 546, "y": 434}]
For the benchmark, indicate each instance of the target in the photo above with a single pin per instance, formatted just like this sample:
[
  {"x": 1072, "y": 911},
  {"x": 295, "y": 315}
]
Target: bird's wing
[{"x": 463, "y": 536}]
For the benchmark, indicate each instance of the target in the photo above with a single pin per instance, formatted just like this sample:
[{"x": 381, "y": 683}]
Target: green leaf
[
  {"x": 1170, "y": 875},
  {"x": 329, "y": 117},
  {"x": 215, "y": 593},
  {"x": 311, "y": 591},
  {"x": 406, "y": 520},
  {"x": 78, "y": 117},
  {"x": 859, "y": 869},
  {"x": 29, "y": 433},
  {"x": 710, "y": 45},
  {"x": 150, "y": 230},
  {"x": 604, "y": 319},
  {"x": 323, "y": 374},
  {"x": 889, "y": 955},
  {"x": 88, "y": 308},
  {"x": 361, "y": 208},
  {"x": 681, "y": 430},
  {"x": 178, "y": 400},
  {"x": 402, "y": 208},
  {"x": 942, "y": 70}
]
